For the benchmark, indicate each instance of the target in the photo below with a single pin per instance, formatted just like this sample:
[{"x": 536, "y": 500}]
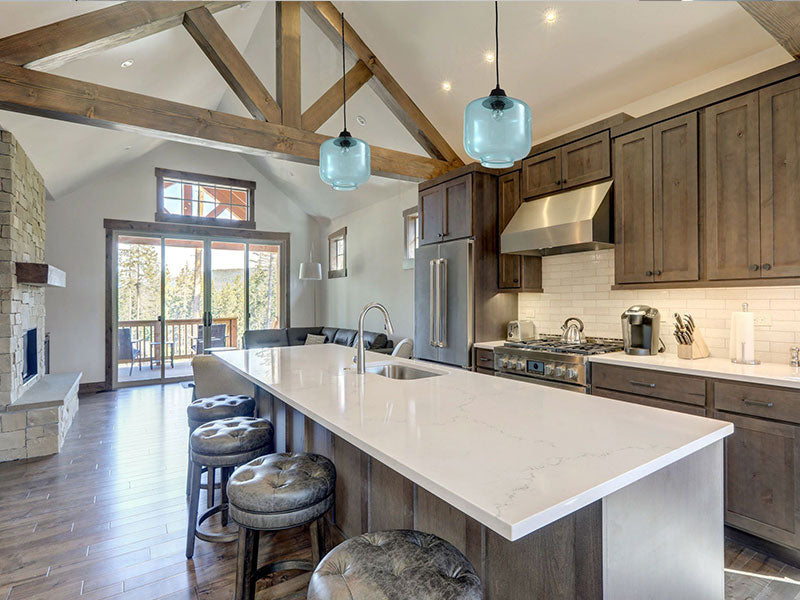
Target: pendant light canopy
[
  {"x": 344, "y": 162},
  {"x": 497, "y": 128}
]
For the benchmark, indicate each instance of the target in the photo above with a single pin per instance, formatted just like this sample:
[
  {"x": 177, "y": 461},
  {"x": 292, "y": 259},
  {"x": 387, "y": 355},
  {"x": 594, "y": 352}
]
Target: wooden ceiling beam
[
  {"x": 219, "y": 49},
  {"x": 781, "y": 20},
  {"x": 48, "y": 95},
  {"x": 287, "y": 57},
  {"x": 327, "y": 104},
  {"x": 328, "y": 19},
  {"x": 50, "y": 46}
]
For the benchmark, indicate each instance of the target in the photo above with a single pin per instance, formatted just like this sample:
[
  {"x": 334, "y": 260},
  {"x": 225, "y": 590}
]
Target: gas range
[{"x": 552, "y": 362}]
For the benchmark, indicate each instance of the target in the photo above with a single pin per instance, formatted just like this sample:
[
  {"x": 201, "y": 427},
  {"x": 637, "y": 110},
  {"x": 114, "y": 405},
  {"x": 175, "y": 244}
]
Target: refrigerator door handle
[
  {"x": 443, "y": 311},
  {"x": 438, "y": 305},
  {"x": 431, "y": 303}
]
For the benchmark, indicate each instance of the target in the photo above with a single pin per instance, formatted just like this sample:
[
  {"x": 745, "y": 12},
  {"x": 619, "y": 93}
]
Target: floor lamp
[{"x": 311, "y": 271}]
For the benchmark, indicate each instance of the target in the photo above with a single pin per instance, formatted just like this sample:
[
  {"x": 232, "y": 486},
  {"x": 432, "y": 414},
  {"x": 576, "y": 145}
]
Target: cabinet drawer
[
  {"x": 690, "y": 409},
  {"x": 484, "y": 359},
  {"x": 757, "y": 400},
  {"x": 654, "y": 384}
]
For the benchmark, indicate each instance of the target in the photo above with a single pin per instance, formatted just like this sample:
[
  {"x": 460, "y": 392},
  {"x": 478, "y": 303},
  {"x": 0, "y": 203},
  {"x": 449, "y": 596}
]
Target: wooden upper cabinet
[
  {"x": 762, "y": 480},
  {"x": 732, "y": 223},
  {"x": 633, "y": 207},
  {"x": 541, "y": 174},
  {"x": 779, "y": 115},
  {"x": 586, "y": 160},
  {"x": 509, "y": 200},
  {"x": 457, "y": 217},
  {"x": 675, "y": 203},
  {"x": 431, "y": 214}
]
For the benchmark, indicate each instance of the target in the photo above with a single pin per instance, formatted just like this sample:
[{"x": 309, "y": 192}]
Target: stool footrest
[
  {"x": 208, "y": 536},
  {"x": 284, "y": 565}
]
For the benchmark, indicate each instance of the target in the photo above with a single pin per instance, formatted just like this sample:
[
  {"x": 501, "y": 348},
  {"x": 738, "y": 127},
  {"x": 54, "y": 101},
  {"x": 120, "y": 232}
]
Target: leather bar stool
[
  {"x": 222, "y": 444},
  {"x": 395, "y": 565},
  {"x": 278, "y": 492},
  {"x": 212, "y": 408}
]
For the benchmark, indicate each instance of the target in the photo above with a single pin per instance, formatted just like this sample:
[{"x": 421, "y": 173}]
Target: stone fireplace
[{"x": 34, "y": 415}]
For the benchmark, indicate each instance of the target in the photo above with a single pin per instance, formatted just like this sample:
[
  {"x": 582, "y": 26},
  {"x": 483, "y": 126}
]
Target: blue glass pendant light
[
  {"x": 497, "y": 128},
  {"x": 344, "y": 162}
]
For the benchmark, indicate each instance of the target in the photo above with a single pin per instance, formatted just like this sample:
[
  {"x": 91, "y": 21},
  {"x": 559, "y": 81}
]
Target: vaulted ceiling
[{"x": 598, "y": 58}]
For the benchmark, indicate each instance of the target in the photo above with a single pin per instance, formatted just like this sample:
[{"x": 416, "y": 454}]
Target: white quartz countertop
[
  {"x": 513, "y": 455},
  {"x": 719, "y": 368}
]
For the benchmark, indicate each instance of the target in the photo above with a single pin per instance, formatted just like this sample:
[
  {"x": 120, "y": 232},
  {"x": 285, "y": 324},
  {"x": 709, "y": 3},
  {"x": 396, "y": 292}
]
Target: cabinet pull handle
[
  {"x": 642, "y": 384},
  {"x": 485, "y": 359},
  {"x": 658, "y": 272},
  {"x": 754, "y": 267},
  {"x": 766, "y": 266},
  {"x": 648, "y": 273},
  {"x": 758, "y": 403},
  {"x": 516, "y": 281}
]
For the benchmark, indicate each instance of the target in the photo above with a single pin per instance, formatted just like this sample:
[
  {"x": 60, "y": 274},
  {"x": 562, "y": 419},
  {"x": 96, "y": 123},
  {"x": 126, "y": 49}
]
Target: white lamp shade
[{"x": 310, "y": 270}]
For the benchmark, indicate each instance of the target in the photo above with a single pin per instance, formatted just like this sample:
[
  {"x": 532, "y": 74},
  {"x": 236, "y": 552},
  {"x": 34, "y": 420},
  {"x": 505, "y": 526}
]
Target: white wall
[
  {"x": 374, "y": 268},
  {"x": 76, "y": 243},
  {"x": 580, "y": 285}
]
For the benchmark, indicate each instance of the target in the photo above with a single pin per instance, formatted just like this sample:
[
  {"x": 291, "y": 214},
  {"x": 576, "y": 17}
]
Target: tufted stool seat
[
  {"x": 211, "y": 408},
  {"x": 395, "y": 565},
  {"x": 222, "y": 444},
  {"x": 277, "y": 492}
]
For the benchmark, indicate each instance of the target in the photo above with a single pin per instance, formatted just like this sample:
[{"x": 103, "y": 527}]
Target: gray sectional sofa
[{"x": 296, "y": 336}]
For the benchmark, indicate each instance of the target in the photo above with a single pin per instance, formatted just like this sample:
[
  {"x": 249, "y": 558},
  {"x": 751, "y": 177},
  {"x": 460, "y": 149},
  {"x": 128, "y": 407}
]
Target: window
[
  {"x": 410, "y": 236},
  {"x": 337, "y": 254},
  {"x": 204, "y": 199}
]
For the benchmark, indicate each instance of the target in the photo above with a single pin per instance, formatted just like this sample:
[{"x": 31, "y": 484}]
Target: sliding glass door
[{"x": 176, "y": 297}]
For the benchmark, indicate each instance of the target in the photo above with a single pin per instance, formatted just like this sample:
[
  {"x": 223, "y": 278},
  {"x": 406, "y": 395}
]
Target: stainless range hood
[{"x": 572, "y": 221}]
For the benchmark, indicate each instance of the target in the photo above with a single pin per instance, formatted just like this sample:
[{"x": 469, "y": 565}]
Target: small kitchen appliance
[
  {"x": 520, "y": 331},
  {"x": 640, "y": 329}
]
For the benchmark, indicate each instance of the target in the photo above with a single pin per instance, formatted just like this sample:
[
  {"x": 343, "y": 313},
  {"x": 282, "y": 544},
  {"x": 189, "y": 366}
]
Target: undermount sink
[{"x": 400, "y": 372}]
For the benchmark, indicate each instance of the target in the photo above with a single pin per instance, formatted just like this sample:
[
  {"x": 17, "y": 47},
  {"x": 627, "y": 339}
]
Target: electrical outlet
[{"x": 763, "y": 320}]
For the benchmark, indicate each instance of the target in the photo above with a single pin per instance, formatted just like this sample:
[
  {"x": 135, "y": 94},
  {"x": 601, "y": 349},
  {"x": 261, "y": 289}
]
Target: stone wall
[{"x": 22, "y": 307}]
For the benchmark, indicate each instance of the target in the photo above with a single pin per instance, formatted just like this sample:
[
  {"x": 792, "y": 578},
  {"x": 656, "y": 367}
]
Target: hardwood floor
[{"x": 106, "y": 518}]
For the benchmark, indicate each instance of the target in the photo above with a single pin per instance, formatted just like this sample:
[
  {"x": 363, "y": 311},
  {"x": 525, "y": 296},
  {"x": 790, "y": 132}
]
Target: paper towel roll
[{"x": 742, "y": 342}]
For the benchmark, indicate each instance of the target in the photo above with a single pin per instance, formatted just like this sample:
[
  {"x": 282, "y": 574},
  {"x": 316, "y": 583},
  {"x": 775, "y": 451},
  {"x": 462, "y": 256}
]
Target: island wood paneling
[{"x": 390, "y": 499}]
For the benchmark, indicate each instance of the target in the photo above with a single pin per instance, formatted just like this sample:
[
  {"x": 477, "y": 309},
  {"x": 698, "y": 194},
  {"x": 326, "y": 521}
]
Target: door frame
[{"x": 115, "y": 227}]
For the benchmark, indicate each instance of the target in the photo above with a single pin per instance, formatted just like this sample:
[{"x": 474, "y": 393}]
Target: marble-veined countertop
[{"x": 513, "y": 455}]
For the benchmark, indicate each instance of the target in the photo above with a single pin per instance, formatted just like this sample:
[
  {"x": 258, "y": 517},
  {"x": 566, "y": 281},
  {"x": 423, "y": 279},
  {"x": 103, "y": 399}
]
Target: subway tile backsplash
[{"x": 580, "y": 285}]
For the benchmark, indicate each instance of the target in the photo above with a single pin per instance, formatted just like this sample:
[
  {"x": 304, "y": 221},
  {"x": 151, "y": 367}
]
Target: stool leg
[
  {"x": 194, "y": 501},
  {"x": 223, "y": 485},
  {"x": 246, "y": 564},
  {"x": 210, "y": 485},
  {"x": 317, "y": 531}
]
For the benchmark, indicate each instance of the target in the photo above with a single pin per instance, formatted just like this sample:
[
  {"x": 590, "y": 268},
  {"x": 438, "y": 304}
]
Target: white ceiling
[{"x": 598, "y": 57}]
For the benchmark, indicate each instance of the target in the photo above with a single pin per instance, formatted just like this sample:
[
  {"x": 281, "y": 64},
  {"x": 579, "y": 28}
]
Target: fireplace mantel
[{"x": 40, "y": 274}]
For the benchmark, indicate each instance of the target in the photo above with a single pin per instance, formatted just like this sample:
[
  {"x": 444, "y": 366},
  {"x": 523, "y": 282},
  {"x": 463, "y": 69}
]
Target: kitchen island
[{"x": 549, "y": 493}]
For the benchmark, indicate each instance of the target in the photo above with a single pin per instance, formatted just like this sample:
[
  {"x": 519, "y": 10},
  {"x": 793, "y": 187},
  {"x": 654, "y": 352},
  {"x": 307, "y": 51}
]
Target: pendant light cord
[
  {"x": 344, "y": 87},
  {"x": 496, "y": 45}
]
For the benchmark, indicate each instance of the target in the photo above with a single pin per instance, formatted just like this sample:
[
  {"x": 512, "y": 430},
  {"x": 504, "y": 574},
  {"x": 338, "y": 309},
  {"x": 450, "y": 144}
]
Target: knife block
[{"x": 697, "y": 349}]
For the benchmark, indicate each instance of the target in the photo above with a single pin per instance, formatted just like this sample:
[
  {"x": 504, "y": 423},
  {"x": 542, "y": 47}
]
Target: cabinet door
[
  {"x": 730, "y": 149},
  {"x": 761, "y": 478},
  {"x": 780, "y": 179},
  {"x": 508, "y": 202},
  {"x": 458, "y": 208},
  {"x": 633, "y": 207},
  {"x": 541, "y": 174},
  {"x": 586, "y": 160},
  {"x": 431, "y": 213},
  {"x": 675, "y": 206}
]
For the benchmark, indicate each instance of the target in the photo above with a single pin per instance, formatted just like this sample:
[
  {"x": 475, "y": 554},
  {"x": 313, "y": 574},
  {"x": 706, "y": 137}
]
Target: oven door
[{"x": 572, "y": 387}]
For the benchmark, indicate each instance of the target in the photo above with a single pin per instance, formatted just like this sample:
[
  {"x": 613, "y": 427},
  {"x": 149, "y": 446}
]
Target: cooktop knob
[
  {"x": 548, "y": 369},
  {"x": 520, "y": 365},
  {"x": 559, "y": 371},
  {"x": 572, "y": 373},
  {"x": 503, "y": 362}
]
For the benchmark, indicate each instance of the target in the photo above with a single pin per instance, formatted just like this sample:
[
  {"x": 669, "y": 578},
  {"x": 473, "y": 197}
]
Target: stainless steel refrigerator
[{"x": 443, "y": 302}]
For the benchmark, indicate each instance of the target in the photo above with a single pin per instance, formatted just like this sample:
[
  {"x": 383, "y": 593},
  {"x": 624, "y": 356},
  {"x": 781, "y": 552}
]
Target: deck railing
[{"x": 182, "y": 332}]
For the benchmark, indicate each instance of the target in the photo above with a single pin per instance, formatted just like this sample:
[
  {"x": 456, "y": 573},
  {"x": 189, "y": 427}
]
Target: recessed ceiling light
[
  {"x": 126, "y": 63},
  {"x": 550, "y": 16},
  {"x": 446, "y": 86},
  {"x": 488, "y": 56},
  {"x": 361, "y": 120}
]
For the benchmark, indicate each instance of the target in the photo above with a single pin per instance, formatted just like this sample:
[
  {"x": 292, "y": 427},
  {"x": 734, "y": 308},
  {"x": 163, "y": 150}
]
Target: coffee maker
[{"x": 640, "y": 328}]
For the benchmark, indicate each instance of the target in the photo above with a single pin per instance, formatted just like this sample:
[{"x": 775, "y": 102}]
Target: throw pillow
[{"x": 312, "y": 339}]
